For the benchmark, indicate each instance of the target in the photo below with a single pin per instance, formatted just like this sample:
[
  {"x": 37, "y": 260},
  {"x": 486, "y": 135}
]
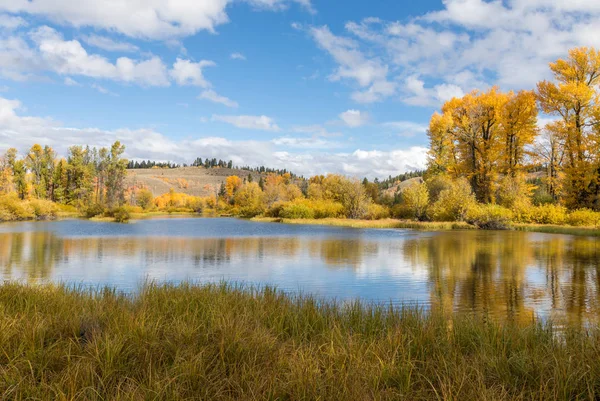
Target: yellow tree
[
  {"x": 476, "y": 131},
  {"x": 574, "y": 98},
  {"x": 442, "y": 153},
  {"x": 519, "y": 129},
  {"x": 232, "y": 184}
]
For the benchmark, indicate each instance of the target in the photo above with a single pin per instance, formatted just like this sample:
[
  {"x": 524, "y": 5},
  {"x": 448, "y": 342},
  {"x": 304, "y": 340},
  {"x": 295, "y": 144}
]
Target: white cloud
[
  {"x": 71, "y": 82},
  {"x": 22, "y": 132},
  {"x": 305, "y": 143},
  {"x": 103, "y": 90},
  {"x": 186, "y": 72},
  {"x": 354, "y": 118},
  {"x": 70, "y": 58},
  {"x": 369, "y": 73},
  {"x": 262, "y": 123},
  {"x": 315, "y": 130},
  {"x": 237, "y": 56},
  {"x": 214, "y": 97},
  {"x": 108, "y": 44},
  {"x": 415, "y": 92},
  {"x": 10, "y": 22},
  {"x": 406, "y": 129},
  {"x": 153, "y": 19}
]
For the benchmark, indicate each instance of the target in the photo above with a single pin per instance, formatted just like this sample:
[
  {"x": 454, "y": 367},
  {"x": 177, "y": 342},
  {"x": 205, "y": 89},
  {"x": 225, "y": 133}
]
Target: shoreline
[
  {"x": 341, "y": 222},
  {"x": 432, "y": 226}
]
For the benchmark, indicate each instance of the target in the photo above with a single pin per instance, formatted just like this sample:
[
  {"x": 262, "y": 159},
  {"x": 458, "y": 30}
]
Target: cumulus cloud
[
  {"x": 369, "y": 73},
  {"x": 152, "y": 19},
  {"x": 108, "y": 44},
  {"x": 10, "y": 22},
  {"x": 214, "y": 97},
  {"x": 186, "y": 72},
  {"x": 467, "y": 44},
  {"x": 52, "y": 53},
  {"x": 354, "y": 118},
  {"x": 20, "y": 131},
  {"x": 262, "y": 123}
]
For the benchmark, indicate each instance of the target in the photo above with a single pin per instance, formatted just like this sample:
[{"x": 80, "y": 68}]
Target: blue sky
[{"x": 311, "y": 85}]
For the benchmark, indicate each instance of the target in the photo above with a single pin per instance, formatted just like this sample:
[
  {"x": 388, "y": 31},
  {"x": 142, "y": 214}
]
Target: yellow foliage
[
  {"x": 584, "y": 217},
  {"x": 543, "y": 214}
]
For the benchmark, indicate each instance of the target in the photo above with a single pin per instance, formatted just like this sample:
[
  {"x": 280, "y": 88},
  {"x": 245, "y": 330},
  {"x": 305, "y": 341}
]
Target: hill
[{"x": 197, "y": 181}]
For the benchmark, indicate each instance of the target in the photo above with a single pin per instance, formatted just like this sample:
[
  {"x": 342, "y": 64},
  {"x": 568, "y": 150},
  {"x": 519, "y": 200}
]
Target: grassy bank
[
  {"x": 432, "y": 226},
  {"x": 383, "y": 223},
  {"x": 226, "y": 343}
]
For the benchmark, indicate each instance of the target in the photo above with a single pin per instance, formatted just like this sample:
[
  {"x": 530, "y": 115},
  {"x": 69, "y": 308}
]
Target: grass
[
  {"x": 383, "y": 223},
  {"x": 222, "y": 342},
  {"x": 556, "y": 229}
]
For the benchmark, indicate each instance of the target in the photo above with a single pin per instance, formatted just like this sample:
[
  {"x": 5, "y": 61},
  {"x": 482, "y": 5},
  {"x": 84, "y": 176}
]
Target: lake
[{"x": 505, "y": 274}]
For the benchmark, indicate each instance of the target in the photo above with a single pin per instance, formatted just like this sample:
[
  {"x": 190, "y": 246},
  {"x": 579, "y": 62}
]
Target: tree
[
  {"x": 115, "y": 176},
  {"x": 20, "y": 178},
  {"x": 144, "y": 199},
  {"x": 232, "y": 184},
  {"x": 574, "y": 98},
  {"x": 519, "y": 129}
]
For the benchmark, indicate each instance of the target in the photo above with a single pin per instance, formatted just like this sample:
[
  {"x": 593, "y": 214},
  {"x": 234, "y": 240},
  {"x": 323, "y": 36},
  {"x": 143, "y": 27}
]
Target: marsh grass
[
  {"x": 223, "y": 342},
  {"x": 383, "y": 223},
  {"x": 557, "y": 229}
]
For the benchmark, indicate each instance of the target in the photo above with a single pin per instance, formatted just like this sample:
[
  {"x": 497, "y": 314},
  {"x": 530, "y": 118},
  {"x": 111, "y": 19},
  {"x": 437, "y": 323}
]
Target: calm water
[{"x": 507, "y": 274}]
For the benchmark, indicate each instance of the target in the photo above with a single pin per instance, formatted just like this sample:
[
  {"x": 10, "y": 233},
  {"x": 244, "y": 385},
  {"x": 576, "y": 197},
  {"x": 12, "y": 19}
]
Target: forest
[{"x": 491, "y": 165}]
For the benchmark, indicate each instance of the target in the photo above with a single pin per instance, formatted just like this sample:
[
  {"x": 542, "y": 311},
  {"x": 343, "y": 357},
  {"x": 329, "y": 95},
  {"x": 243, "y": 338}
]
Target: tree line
[
  {"x": 87, "y": 175},
  {"x": 492, "y": 138}
]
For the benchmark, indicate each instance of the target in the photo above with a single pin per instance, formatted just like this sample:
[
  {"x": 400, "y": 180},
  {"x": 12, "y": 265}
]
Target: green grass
[{"x": 221, "y": 342}]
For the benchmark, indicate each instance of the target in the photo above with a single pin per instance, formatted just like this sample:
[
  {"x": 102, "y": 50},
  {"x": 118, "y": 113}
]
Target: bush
[
  {"x": 543, "y": 214},
  {"x": 144, "y": 199},
  {"x": 94, "y": 210},
  {"x": 43, "y": 209},
  {"x": 297, "y": 210},
  {"x": 489, "y": 217},
  {"x": 583, "y": 217},
  {"x": 196, "y": 204},
  {"x": 120, "y": 214},
  {"x": 325, "y": 209},
  {"x": 15, "y": 208},
  {"x": 415, "y": 199},
  {"x": 377, "y": 212},
  {"x": 453, "y": 203}
]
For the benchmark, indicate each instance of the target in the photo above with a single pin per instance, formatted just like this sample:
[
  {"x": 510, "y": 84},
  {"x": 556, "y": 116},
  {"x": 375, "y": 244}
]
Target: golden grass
[
  {"x": 222, "y": 342},
  {"x": 383, "y": 223}
]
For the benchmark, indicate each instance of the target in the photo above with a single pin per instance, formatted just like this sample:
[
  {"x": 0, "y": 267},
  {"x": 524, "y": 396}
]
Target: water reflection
[{"x": 509, "y": 275}]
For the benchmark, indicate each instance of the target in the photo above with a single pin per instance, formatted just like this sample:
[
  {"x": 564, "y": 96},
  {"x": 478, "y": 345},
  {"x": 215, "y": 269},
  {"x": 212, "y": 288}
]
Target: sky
[{"x": 314, "y": 86}]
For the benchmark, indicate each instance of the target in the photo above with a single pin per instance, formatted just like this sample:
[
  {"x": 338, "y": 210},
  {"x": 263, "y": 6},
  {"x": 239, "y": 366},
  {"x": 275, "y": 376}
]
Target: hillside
[{"x": 197, "y": 181}]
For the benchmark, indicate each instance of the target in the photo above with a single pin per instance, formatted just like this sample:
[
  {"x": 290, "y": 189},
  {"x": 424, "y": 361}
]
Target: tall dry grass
[{"x": 222, "y": 342}]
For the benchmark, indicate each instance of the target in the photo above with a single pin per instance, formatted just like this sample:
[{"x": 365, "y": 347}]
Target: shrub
[
  {"x": 543, "y": 214},
  {"x": 437, "y": 184},
  {"x": 490, "y": 217},
  {"x": 15, "y": 209},
  {"x": 327, "y": 209},
  {"x": 144, "y": 199},
  {"x": 513, "y": 190},
  {"x": 43, "y": 209},
  {"x": 297, "y": 210},
  {"x": 583, "y": 217},
  {"x": 120, "y": 214},
  {"x": 377, "y": 212},
  {"x": 415, "y": 199},
  {"x": 453, "y": 203},
  {"x": 196, "y": 204},
  {"x": 93, "y": 210}
]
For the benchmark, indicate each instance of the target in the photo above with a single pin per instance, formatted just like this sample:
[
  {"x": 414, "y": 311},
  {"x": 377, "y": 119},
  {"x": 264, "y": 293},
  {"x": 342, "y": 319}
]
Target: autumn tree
[
  {"x": 518, "y": 130},
  {"x": 116, "y": 171},
  {"x": 232, "y": 184},
  {"x": 574, "y": 98}
]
